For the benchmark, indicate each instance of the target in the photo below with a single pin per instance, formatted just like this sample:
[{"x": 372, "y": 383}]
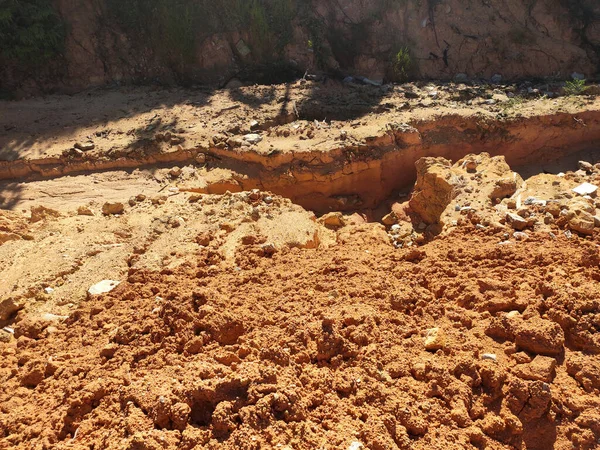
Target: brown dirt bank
[
  {"x": 322, "y": 165},
  {"x": 114, "y": 42},
  {"x": 325, "y": 348}
]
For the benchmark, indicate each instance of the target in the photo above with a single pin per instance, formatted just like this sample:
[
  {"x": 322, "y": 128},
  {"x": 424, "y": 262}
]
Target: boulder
[{"x": 433, "y": 189}]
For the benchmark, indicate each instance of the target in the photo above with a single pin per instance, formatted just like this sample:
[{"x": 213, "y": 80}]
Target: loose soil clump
[{"x": 324, "y": 348}]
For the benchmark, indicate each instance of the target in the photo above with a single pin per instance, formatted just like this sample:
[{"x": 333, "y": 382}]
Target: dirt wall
[{"x": 435, "y": 39}]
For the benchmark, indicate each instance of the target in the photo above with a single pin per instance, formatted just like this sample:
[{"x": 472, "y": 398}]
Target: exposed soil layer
[
  {"x": 463, "y": 343},
  {"x": 110, "y": 43},
  {"x": 358, "y": 157}
]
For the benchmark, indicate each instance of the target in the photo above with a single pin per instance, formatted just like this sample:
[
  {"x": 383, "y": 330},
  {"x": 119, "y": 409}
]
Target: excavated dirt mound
[
  {"x": 241, "y": 320},
  {"x": 467, "y": 342}
]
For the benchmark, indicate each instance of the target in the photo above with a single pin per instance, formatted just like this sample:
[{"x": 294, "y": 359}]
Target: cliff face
[{"x": 212, "y": 42}]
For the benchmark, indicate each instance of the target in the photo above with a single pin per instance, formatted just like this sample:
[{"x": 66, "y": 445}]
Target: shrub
[
  {"x": 575, "y": 87},
  {"x": 401, "y": 65},
  {"x": 31, "y": 31}
]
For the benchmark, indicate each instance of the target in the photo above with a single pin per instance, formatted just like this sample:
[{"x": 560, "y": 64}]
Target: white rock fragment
[
  {"x": 356, "y": 446},
  {"x": 253, "y": 138},
  {"x": 48, "y": 317},
  {"x": 489, "y": 356},
  {"x": 48, "y": 290},
  {"x": 534, "y": 201},
  {"x": 585, "y": 189},
  {"x": 103, "y": 287}
]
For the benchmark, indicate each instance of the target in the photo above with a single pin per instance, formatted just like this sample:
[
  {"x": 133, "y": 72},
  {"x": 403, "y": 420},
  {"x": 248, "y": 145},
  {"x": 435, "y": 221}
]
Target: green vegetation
[
  {"x": 575, "y": 87},
  {"x": 401, "y": 65},
  {"x": 514, "y": 102},
  {"x": 173, "y": 28},
  {"x": 31, "y": 31}
]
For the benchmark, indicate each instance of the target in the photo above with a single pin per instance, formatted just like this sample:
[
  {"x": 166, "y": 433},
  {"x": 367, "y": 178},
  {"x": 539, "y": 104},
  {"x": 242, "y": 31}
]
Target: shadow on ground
[{"x": 10, "y": 194}]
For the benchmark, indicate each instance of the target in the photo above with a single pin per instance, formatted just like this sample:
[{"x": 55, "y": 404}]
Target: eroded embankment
[{"x": 349, "y": 174}]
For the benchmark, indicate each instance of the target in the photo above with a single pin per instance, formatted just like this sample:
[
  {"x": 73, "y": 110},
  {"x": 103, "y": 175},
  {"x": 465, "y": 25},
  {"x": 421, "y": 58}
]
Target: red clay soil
[{"x": 324, "y": 349}]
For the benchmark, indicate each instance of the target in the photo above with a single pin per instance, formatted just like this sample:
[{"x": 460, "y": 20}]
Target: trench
[{"x": 357, "y": 176}]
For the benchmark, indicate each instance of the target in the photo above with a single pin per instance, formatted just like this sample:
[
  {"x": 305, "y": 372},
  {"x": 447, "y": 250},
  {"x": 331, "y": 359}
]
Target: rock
[
  {"x": 235, "y": 142},
  {"x": 175, "y": 172},
  {"x": 496, "y": 79},
  {"x": 461, "y": 78},
  {"x": 234, "y": 83},
  {"x": 254, "y": 195},
  {"x": 582, "y": 222},
  {"x": 176, "y": 140},
  {"x": 489, "y": 357},
  {"x": 140, "y": 197},
  {"x": 132, "y": 201},
  {"x": 441, "y": 185},
  {"x": 333, "y": 220},
  {"x": 113, "y": 208},
  {"x": 585, "y": 189},
  {"x": 593, "y": 89},
  {"x": 355, "y": 446},
  {"x": 49, "y": 290},
  {"x": 504, "y": 187},
  {"x": 84, "y": 211},
  {"x": 433, "y": 191},
  {"x": 542, "y": 368},
  {"x": 471, "y": 165},
  {"x": 254, "y": 124},
  {"x": 516, "y": 221},
  {"x": 554, "y": 209},
  {"x": 579, "y": 204},
  {"x": 390, "y": 219},
  {"x": 578, "y": 76},
  {"x": 540, "y": 336},
  {"x": 103, "y": 287},
  {"x": 253, "y": 138},
  {"x": 41, "y": 212},
  {"x": 584, "y": 165},
  {"x": 8, "y": 308},
  {"x": 85, "y": 147},
  {"x": 5, "y": 337},
  {"x": 242, "y": 48},
  {"x": 159, "y": 200},
  {"x": 532, "y": 201},
  {"x": 269, "y": 249},
  {"x": 201, "y": 158},
  {"x": 435, "y": 339}
]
